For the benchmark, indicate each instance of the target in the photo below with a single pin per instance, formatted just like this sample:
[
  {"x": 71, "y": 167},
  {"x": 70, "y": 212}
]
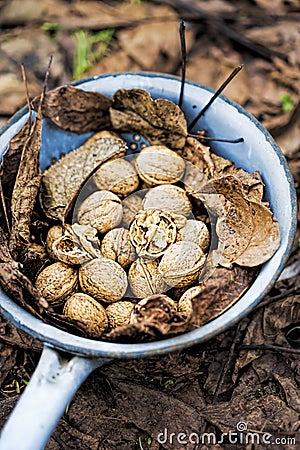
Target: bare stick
[
  {"x": 206, "y": 138},
  {"x": 272, "y": 348},
  {"x": 216, "y": 94},
  {"x": 183, "y": 61},
  {"x": 45, "y": 85}
]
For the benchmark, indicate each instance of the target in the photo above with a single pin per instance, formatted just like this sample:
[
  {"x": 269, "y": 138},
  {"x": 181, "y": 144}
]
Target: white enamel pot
[{"x": 68, "y": 359}]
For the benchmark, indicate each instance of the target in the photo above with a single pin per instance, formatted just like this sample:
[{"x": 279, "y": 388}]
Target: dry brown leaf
[
  {"x": 62, "y": 181},
  {"x": 157, "y": 318},
  {"x": 218, "y": 292},
  {"x": 76, "y": 110},
  {"x": 20, "y": 288},
  {"x": 159, "y": 121},
  {"x": 25, "y": 190},
  {"x": 252, "y": 184},
  {"x": 9, "y": 165},
  {"x": 234, "y": 225},
  {"x": 265, "y": 238}
]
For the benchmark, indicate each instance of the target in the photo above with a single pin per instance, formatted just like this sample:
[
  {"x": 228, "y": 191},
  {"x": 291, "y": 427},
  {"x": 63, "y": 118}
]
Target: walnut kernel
[{"x": 152, "y": 232}]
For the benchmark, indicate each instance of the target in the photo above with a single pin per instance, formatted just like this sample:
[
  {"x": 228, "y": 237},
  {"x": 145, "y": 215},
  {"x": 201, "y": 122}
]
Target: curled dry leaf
[
  {"x": 221, "y": 290},
  {"x": 62, "y": 182},
  {"x": 234, "y": 225},
  {"x": 9, "y": 167},
  {"x": 265, "y": 238},
  {"x": 76, "y": 110},
  {"x": 20, "y": 288},
  {"x": 26, "y": 189},
  {"x": 159, "y": 121},
  {"x": 154, "y": 317}
]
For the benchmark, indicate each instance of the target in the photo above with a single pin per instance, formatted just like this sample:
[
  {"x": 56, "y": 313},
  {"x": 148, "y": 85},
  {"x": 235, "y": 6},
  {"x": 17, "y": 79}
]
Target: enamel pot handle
[{"x": 51, "y": 388}]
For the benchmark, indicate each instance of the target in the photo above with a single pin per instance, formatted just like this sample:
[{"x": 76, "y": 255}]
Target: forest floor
[{"x": 249, "y": 374}]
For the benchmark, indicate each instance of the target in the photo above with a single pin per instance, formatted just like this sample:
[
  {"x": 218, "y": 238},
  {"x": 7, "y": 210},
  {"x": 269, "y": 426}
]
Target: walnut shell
[
  {"x": 118, "y": 176},
  {"x": 145, "y": 279},
  {"x": 102, "y": 210},
  {"x": 158, "y": 164},
  {"x": 116, "y": 245},
  {"x": 119, "y": 313},
  {"x": 181, "y": 263},
  {"x": 152, "y": 232},
  {"x": 68, "y": 250},
  {"x": 131, "y": 206},
  {"x": 168, "y": 198},
  {"x": 103, "y": 279},
  {"x": 53, "y": 234},
  {"x": 83, "y": 307},
  {"x": 56, "y": 282},
  {"x": 195, "y": 231}
]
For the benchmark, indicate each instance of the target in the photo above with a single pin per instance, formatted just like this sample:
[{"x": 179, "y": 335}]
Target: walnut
[
  {"x": 56, "y": 282},
  {"x": 103, "y": 279},
  {"x": 83, "y": 307},
  {"x": 181, "y": 264},
  {"x": 116, "y": 245},
  {"x": 53, "y": 234},
  {"x": 119, "y": 313},
  {"x": 168, "y": 198},
  {"x": 131, "y": 205},
  {"x": 118, "y": 176},
  {"x": 102, "y": 210},
  {"x": 152, "y": 232},
  {"x": 185, "y": 304},
  {"x": 158, "y": 164},
  {"x": 145, "y": 279},
  {"x": 195, "y": 231}
]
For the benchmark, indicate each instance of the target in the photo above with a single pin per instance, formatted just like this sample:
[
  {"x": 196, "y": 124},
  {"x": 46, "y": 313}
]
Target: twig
[
  {"x": 270, "y": 347},
  {"x": 183, "y": 61},
  {"x": 216, "y": 94},
  {"x": 228, "y": 361},
  {"x": 206, "y": 138}
]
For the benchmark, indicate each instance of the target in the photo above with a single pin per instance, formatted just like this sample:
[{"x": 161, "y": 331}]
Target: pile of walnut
[{"x": 143, "y": 228}]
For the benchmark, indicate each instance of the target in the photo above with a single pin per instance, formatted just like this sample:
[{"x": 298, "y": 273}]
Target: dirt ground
[{"x": 251, "y": 373}]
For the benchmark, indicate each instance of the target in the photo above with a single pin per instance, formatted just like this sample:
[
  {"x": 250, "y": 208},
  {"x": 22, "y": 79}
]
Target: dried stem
[
  {"x": 215, "y": 139},
  {"x": 216, "y": 94},
  {"x": 272, "y": 348},
  {"x": 183, "y": 61}
]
